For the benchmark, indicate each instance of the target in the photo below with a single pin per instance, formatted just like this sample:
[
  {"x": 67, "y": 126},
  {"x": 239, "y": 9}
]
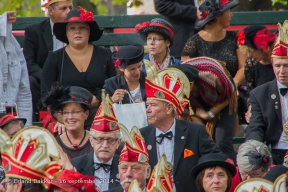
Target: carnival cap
[
  {"x": 170, "y": 85},
  {"x": 134, "y": 186},
  {"x": 28, "y": 155},
  {"x": 134, "y": 149},
  {"x": 157, "y": 25},
  {"x": 54, "y": 1},
  {"x": 161, "y": 180},
  {"x": 190, "y": 71},
  {"x": 211, "y": 9},
  {"x": 128, "y": 55},
  {"x": 105, "y": 119},
  {"x": 275, "y": 172},
  {"x": 281, "y": 44},
  {"x": 8, "y": 119},
  {"x": 79, "y": 15}
]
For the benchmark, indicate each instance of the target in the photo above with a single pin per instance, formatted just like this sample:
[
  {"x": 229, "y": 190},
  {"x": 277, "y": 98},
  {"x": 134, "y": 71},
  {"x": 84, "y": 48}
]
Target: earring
[{"x": 168, "y": 49}]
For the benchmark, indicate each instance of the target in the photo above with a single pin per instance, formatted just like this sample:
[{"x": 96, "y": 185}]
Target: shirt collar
[
  {"x": 97, "y": 161},
  {"x": 52, "y": 25},
  {"x": 280, "y": 85},
  {"x": 172, "y": 129}
]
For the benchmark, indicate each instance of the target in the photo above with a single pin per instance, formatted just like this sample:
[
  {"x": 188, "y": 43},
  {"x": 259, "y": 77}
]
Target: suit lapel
[
  {"x": 47, "y": 35},
  {"x": 114, "y": 171},
  {"x": 151, "y": 146},
  {"x": 179, "y": 143},
  {"x": 275, "y": 99},
  {"x": 88, "y": 166}
]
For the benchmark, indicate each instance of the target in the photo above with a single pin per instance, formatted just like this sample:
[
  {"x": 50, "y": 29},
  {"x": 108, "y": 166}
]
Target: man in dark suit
[
  {"x": 182, "y": 142},
  {"x": 133, "y": 161},
  {"x": 38, "y": 41},
  {"x": 182, "y": 14},
  {"x": 269, "y": 102},
  {"x": 105, "y": 138}
]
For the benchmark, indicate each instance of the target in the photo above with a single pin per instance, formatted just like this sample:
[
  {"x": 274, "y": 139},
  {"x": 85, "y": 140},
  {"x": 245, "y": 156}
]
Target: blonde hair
[{"x": 249, "y": 147}]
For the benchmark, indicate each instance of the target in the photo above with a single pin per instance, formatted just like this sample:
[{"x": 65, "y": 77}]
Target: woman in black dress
[
  {"x": 80, "y": 63},
  {"x": 70, "y": 106},
  {"x": 214, "y": 41},
  {"x": 256, "y": 42}
]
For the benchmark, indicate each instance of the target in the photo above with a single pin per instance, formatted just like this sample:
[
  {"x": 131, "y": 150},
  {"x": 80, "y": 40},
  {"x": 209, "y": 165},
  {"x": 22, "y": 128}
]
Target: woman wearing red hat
[{"x": 80, "y": 63}]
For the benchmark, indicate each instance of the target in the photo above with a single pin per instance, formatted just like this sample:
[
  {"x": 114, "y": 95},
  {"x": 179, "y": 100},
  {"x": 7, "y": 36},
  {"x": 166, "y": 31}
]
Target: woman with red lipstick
[
  {"x": 158, "y": 34},
  {"x": 80, "y": 63},
  {"x": 130, "y": 81}
]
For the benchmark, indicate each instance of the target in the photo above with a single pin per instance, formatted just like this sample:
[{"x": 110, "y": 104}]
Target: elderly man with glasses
[
  {"x": 11, "y": 124},
  {"x": 105, "y": 138}
]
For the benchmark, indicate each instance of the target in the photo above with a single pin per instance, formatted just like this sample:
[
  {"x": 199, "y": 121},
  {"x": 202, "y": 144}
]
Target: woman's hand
[
  {"x": 138, "y": 101},
  {"x": 118, "y": 95},
  {"x": 60, "y": 128},
  {"x": 248, "y": 114},
  {"x": 11, "y": 17},
  {"x": 202, "y": 114}
]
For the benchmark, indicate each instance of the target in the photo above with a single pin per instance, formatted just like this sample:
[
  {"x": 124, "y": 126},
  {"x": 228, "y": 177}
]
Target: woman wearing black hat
[
  {"x": 130, "y": 81},
  {"x": 72, "y": 105},
  {"x": 79, "y": 63},
  {"x": 213, "y": 173},
  {"x": 257, "y": 43},
  {"x": 158, "y": 34}
]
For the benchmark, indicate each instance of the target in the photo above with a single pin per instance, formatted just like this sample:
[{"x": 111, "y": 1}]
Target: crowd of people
[{"x": 188, "y": 90}]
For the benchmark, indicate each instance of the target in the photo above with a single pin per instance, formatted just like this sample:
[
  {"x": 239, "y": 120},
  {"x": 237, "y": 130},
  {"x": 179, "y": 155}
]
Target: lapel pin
[
  {"x": 276, "y": 106},
  {"x": 182, "y": 137},
  {"x": 117, "y": 176},
  {"x": 149, "y": 147},
  {"x": 276, "y": 102},
  {"x": 273, "y": 96}
]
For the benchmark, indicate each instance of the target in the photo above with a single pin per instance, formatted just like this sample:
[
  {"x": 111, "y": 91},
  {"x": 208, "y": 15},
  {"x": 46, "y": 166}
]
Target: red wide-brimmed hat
[
  {"x": 281, "y": 44},
  {"x": 79, "y": 15},
  {"x": 8, "y": 119},
  {"x": 105, "y": 119}
]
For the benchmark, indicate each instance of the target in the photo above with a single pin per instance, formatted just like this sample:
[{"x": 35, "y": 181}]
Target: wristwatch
[{"x": 211, "y": 115}]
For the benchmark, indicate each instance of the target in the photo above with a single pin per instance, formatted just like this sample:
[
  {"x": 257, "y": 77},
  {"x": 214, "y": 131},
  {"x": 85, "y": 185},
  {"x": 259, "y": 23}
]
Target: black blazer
[
  {"x": 117, "y": 189},
  {"x": 38, "y": 42},
  {"x": 84, "y": 165},
  {"x": 266, "y": 120},
  {"x": 182, "y": 15},
  {"x": 188, "y": 135},
  {"x": 119, "y": 82}
]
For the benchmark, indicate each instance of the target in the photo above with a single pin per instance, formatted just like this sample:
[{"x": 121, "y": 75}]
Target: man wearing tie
[
  {"x": 181, "y": 141},
  {"x": 269, "y": 119},
  {"x": 105, "y": 138}
]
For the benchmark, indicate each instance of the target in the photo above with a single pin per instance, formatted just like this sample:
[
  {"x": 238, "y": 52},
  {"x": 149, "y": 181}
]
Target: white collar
[
  {"x": 97, "y": 161},
  {"x": 280, "y": 85},
  {"x": 172, "y": 129},
  {"x": 52, "y": 25}
]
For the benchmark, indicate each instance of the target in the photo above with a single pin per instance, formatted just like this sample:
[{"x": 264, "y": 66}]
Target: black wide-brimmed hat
[
  {"x": 157, "y": 25},
  {"x": 70, "y": 94},
  {"x": 256, "y": 37},
  {"x": 77, "y": 16},
  {"x": 212, "y": 160},
  {"x": 128, "y": 55},
  {"x": 211, "y": 9},
  {"x": 190, "y": 71}
]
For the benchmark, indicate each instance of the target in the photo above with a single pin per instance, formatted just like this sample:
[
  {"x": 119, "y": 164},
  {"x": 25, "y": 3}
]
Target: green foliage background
[{"x": 30, "y": 8}]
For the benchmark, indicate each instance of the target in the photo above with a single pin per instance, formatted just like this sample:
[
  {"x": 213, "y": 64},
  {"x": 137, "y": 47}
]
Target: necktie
[
  {"x": 160, "y": 137},
  {"x": 106, "y": 167},
  {"x": 283, "y": 91}
]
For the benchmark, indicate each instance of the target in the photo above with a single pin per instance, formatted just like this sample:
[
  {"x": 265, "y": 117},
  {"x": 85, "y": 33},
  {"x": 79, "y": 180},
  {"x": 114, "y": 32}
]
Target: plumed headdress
[{"x": 281, "y": 44}]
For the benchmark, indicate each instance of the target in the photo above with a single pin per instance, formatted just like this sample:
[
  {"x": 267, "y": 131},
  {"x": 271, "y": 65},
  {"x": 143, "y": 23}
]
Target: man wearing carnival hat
[
  {"x": 105, "y": 138},
  {"x": 182, "y": 142},
  {"x": 269, "y": 102},
  {"x": 133, "y": 161},
  {"x": 39, "y": 41},
  {"x": 31, "y": 159}
]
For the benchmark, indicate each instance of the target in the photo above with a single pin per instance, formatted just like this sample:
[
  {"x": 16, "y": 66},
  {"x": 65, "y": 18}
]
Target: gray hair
[
  {"x": 165, "y": 103},
  {"x": 118, "y": 134},
  {"x": 53, "y": 5},
  {"x": 250, "y": 156},
  {"x": 9, "y": 125}
]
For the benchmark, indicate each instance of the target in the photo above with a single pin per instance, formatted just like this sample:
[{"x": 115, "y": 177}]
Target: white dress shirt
[
  {"x": 104, "y": 178},
  {"x": 284, "y": 113},
  {"x": 56, "y": 43},
  {"x": 167, "y": 147}
]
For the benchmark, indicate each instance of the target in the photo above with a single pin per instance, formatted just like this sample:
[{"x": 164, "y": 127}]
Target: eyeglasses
[
  {"x": 252, "y": 175},
  {"x": 73, "y": 113},
  {"x": 156, "y": 40},
  {"x": 100, "y": 140}
]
